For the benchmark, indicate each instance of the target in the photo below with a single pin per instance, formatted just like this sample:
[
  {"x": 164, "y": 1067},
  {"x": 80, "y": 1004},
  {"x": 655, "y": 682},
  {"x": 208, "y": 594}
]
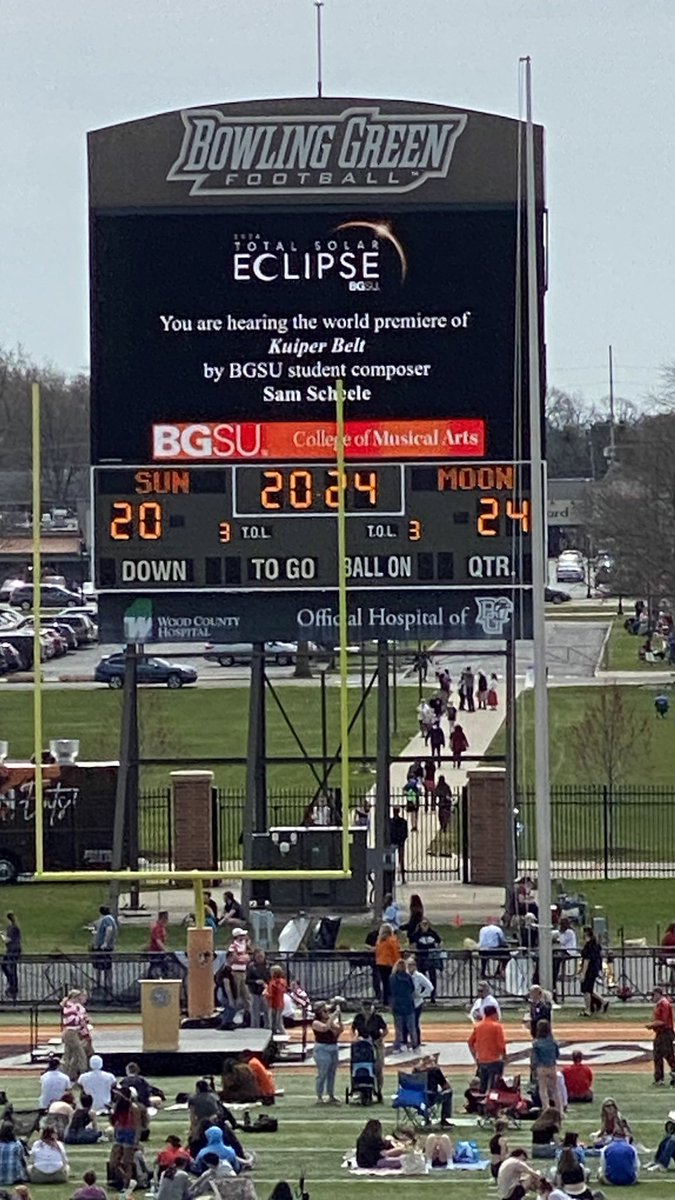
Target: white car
[{"x": 281, "y": 653}]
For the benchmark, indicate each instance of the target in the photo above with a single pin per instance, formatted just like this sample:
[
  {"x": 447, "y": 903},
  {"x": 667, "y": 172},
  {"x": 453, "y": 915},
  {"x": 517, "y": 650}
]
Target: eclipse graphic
[{"x": 384, "y": 231}]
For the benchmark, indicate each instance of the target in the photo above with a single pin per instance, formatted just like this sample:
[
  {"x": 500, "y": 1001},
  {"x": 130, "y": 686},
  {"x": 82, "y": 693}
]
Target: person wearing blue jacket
[{"x": 402, "y": 1001}]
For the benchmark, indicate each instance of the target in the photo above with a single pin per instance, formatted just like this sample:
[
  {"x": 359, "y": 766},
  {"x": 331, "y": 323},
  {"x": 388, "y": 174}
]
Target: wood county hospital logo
[{"x": 357, "y": 150}]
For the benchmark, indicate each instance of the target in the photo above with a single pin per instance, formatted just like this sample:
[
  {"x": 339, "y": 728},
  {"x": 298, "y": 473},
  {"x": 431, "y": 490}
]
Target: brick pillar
[
  {"x": 193, "y": 840},
  {"x": 487, "y": 823}
]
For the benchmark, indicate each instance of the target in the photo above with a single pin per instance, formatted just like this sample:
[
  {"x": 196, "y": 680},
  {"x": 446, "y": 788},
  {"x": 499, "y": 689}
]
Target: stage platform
[{"x": 200, "y": 1051}]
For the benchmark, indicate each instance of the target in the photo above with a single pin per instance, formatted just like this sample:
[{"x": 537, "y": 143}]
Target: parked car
[
  {"x": 22, "y": 640},
  {"x": 81, "y": 623},
  {"x": 283, "y": 654},
  {"x": 52, "y": 595},
  {"x": 7, "y": 587},
  {"x": 555, "y": 596},
  {"x": 570, "y": 569},
  {"x": 12, "y": 657},
  {"x": 111, "y": 669}
]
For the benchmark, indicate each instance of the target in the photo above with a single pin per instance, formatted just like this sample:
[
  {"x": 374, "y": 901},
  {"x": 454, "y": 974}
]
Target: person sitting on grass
[
  {"x": 619, "y": 1162},
  {"x": 438, "y": 1150},
  {"x": 546, "y": 1127},
  {"x": 263, "y": 1077},
  {"x": 515, "y": 1178},
  {"x": 499, "y": 1146},
  {"x": 227, "y": 1127},
  {"x": 12, "y": 1156},
  {"x": 148, "y": 1093},
  {"x": 218, "y": 1180},
  {"x": 83, "y": 1129},
  {"x": 238, "y": 1083},
  {"x": 612, "y": 1124},
  {"x": 48, "y": 1159},
  {"x": 175, "y": 1182},
  {"x": 173, "y": 1149},
  {"x": 374, "y": 1151},
  {"x": 216, "y": 1143},
  {"x": 578, "y": 1078},
  {"x": 90, "y": 1190}
]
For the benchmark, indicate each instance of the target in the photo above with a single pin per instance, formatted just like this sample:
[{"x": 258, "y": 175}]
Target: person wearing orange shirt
[
  {"x": 387, "y": 954},
  {"x": 275, "y": 992},
  {"x": 263, "y": 1078},
  {"x": 488, "y": 1047}
]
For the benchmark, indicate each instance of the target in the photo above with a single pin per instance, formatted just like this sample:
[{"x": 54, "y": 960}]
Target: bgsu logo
[{"x": 206, "y": 441}]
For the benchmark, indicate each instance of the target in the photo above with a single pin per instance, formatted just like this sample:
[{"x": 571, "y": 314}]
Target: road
[{"x": 574, "y": 649}]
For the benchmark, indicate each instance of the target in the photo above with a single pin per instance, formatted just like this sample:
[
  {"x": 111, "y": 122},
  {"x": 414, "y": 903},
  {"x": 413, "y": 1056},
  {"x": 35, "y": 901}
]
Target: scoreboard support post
[
  {"x": 381, "y": 823},
  {"x": 510, "y": 855},
  {"x": 255, "y": 805}
]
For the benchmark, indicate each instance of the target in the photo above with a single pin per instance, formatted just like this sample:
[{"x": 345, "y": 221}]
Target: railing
[
  {"x": 629, "y": 974},
  {"x": 603, "y": 833}
]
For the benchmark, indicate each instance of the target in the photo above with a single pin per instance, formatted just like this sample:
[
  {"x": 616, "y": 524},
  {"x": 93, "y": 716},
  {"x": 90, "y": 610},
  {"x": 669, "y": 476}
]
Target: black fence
[
  {"x": 603, "y": 833},
  {"x": 629, "y": 975}
]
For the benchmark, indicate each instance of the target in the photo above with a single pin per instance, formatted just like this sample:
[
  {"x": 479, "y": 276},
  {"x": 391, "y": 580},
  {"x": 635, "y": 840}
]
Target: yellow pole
[
  {"x": 199, "y": 903},
  {"x": 37, "y": 665},
  {"x": 342, "y": 619}
]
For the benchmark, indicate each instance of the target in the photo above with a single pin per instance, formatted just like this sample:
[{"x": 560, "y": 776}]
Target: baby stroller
[
  {"x": 362, "y": 1081},
  {"x": 504, "y": 1099}
]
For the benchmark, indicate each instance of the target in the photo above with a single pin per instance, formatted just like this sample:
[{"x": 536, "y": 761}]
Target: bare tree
[{"x": 607, "y": 734}]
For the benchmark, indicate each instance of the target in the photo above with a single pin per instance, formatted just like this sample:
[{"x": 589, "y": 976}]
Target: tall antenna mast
[{"x": 318, "y": 4}]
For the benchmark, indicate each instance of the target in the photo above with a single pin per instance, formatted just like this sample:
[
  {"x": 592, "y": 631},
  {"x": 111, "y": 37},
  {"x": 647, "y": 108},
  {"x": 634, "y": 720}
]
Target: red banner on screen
[{"x": 216, "y": 441}]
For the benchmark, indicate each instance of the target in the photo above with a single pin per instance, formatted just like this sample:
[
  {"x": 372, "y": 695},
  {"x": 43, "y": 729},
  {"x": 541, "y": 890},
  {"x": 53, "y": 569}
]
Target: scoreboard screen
[{"x": 266, "y": 526}]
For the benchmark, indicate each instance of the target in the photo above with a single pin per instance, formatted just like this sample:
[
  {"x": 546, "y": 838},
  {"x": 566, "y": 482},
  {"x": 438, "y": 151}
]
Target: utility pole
[
  {"x": 612, "y": 430},
  {"x": 318, "y": 4}
]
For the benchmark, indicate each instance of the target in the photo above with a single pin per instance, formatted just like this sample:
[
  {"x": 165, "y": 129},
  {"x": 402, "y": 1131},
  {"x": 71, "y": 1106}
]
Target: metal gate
[{"x": 435, "y": 844}]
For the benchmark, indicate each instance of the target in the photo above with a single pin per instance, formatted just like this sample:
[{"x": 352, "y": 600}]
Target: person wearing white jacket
[{"x": 423, "y": 991}]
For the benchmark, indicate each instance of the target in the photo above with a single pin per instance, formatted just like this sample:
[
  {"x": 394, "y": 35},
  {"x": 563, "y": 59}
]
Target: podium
[{"x": 160, "y": 1014}]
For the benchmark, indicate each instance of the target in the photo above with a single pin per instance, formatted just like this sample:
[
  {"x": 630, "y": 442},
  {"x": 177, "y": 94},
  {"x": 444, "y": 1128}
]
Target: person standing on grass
[
  {"x": 10, "y": 962},
  {"x": 326, "y": 1027},
  {"x": 402, "y": 1000},
  {"x": 371, "y": 1024},
  {"x": 545, "y": 1051},
  {"x": 77, "y": 1031},
  {"x": 590, "y": 971},
  {"x": 661, "y": 1025},
  {"x": 458, "y": 744},
  {"x": 488, "y": 1048},
  {"x": 423, "y": 991}
]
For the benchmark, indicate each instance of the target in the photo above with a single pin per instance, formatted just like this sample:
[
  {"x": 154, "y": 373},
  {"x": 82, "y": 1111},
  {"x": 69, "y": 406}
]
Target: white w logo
[{"x": 137, "y": 629}]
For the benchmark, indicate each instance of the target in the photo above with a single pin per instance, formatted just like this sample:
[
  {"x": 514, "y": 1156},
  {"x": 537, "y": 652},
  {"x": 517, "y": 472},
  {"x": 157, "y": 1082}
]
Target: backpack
[{"x": 466, "y": 1152}]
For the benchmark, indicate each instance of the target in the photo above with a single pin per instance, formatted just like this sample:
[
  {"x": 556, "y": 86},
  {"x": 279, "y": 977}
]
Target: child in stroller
[{"x": 362, "y": 1077}]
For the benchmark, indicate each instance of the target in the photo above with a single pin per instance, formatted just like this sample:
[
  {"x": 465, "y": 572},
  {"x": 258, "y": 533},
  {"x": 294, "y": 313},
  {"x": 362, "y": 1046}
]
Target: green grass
[
  {"x": 199, "y": 724},
  {"x": 652, "y": 764},
  {"x": 621, "y": 653},
  {"x": 311, "y": 1141},
  {"x": 641, "y": 907}
]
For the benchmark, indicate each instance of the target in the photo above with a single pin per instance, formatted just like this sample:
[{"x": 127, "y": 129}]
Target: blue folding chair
[{"x": 412, "y": 1099}]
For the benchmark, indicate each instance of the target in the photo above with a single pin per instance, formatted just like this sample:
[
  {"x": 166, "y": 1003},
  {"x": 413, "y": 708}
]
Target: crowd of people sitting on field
[{"x": 101, "y": 1108}]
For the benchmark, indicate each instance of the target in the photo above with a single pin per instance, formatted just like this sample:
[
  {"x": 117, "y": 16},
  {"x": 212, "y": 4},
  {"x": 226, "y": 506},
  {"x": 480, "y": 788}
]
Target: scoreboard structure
[{"x": 244, "y": 259}]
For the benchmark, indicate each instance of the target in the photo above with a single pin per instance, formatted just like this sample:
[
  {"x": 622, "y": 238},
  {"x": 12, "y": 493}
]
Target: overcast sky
[{"x": 603, "y": 87}]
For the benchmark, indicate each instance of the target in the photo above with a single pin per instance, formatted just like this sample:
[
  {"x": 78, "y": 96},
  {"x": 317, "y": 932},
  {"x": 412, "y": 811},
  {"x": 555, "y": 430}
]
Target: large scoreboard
[{"x": 246, "y": 258}]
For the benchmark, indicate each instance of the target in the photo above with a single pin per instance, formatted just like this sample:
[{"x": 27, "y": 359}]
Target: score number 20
[{"x": 490, "y": 509}]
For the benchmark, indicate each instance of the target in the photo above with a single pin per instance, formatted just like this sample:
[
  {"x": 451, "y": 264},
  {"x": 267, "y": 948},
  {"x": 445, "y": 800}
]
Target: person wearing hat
[
  {"x": 371, "y": 1024},
  {"x": 97, "y": 1083},
  {"x": 240, "y": 953}
]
